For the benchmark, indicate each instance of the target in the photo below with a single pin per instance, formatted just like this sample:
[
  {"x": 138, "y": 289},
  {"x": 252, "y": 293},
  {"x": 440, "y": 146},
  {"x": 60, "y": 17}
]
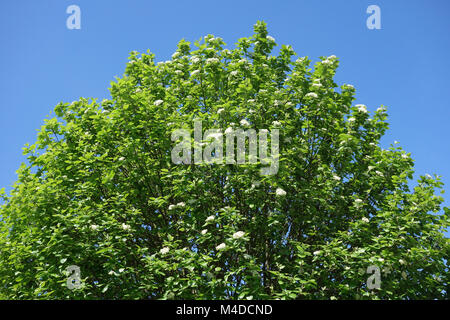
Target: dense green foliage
[{"x": 100, "y": 190}]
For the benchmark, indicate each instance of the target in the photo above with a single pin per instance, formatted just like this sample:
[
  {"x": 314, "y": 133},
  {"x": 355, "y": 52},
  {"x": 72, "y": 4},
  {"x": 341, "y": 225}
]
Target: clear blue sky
[{"x": 404, "y": 66}]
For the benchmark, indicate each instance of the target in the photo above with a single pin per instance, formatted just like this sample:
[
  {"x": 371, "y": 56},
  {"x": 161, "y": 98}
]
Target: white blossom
[
  {"x": 238, "y": 234},
  {"x": 358, "y": 202},
  {"x": 195, "y": 59},
  {"x": 125, "y": 227},
  {"x": 311, "y": 94},
  {"x": 158, "y": 102},
  {"x": 220, "y": 111},
  {"x": 221, "y": 246},
  {"x": 210, "y": 218},
  {"x": 365, "y": 220},
  {"x": 276, "y": 123},
  {"x": 270, "y": 38},
  {"x": 193, "y": 73},
  {"x": 244, "y": 122},
  {"x": 172, "y": 206},
  {"x": 337, "y": 178},
  {"x": 316, "y": 252},
  {"x": 402, "y": 261},
  {"x": 212, "y": 60},
  {"x": 234, "y": 73},
  {"x": 178, "y": 72},
  {"x": 181, "y": 204},
  {"x": 351, "y": 119},
  {"x": 280, "y": 192},
  {"x": 94, "y": 227},
  {"x": 361, "y": 108},
  {"x": 204, "y": 231},
  {"x": 317, "y": 85},
  {"x": 164, "y": 250}
]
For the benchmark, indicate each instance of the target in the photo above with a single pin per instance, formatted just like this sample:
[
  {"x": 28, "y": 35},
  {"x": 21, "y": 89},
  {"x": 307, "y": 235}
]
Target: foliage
[{"x": 99, "y": 182}]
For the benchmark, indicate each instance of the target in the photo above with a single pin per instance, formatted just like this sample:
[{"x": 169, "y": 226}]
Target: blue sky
[{"x": 403, "y": 66}]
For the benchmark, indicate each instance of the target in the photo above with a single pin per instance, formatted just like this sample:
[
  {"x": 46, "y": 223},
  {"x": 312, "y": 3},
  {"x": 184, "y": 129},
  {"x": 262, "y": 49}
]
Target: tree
[{"x": 100, "y": 190}]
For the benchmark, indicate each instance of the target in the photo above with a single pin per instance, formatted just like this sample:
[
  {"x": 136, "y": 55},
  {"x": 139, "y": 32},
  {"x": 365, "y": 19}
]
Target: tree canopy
[{"x": 101, "y": 192}]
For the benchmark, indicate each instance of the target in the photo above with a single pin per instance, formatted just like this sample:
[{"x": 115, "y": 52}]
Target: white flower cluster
[
  {"x": 358, "y": 203},
  {"x": 361, "y": 108},
  {"x": 178, "y": 205},
  {"x": 348, "y": 86},
  {"x": 238, "y": 234},
  {"x": 212, "y": 60},
  {"x": 158, "y": 102},
  {"x": 329, "y": 60},
  {"x": 244, "y": 123},
  {"x": 312, "y": 95},
  {"x": 195, "y": 59},
  {"x": 280, "y": 192},
  {"x": 176, "y": 55},
  {"x": 221, "y": 246}
]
